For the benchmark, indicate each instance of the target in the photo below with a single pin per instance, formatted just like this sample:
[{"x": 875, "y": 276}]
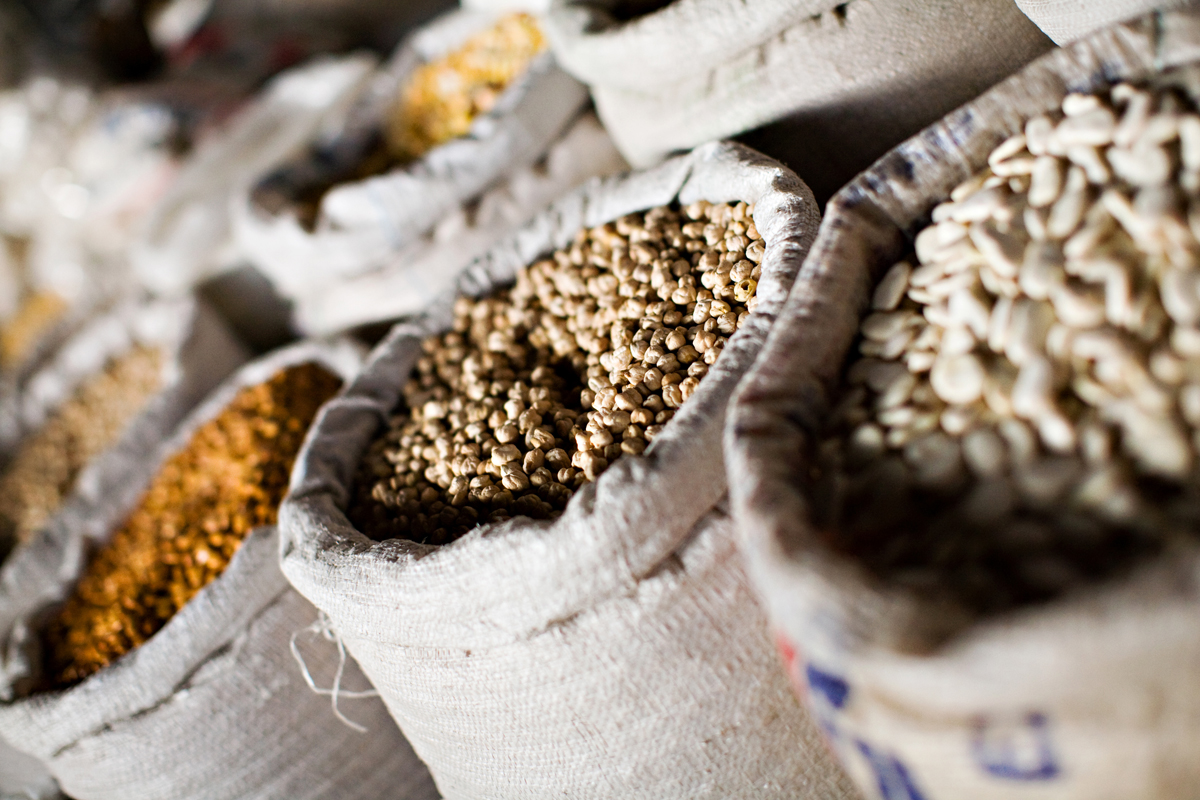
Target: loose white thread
[{"x": 323, "y": 627}]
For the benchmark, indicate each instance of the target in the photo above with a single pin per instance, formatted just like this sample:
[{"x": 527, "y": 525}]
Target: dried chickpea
[{"x": 538, "y": 388}]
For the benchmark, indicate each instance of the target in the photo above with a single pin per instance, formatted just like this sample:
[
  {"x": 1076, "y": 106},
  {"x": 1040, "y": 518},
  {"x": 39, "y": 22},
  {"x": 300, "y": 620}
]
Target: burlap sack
[
  {"x": 363, "y": 224},
  {"x": 850, "y": 79},
  {"x": 1064, "y": 21},
  {"x": 615, "y": 652},
  {"x": 213, "y": 705},
  {"x": 187, "y": 236},
  {"x": 1093, "y": 696},
  {"x": 411, "y": 278}
]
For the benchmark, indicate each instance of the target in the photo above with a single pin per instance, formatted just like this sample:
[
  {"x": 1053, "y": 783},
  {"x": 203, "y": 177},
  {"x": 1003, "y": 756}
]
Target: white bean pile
[
  {"x": 539, "y": 388},
  {"x": 1024, "y": 411}
]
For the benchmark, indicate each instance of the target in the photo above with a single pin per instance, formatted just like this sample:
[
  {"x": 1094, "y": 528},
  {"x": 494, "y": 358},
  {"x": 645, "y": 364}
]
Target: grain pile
[
  {"x": 538, "y": 388},
  {"x": 34, "y": 318},
  {"x": 226, "y": 481},
  {"x": 439, "y": 102},
  {"x": 1024, "y": 410},
  {"x": 44, "y": 469},
  {"x": 443, "y": 97}
]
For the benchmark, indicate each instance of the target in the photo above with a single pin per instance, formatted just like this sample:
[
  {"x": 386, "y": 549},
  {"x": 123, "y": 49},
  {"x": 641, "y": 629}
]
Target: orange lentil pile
[{"x": 228, "y": 480}]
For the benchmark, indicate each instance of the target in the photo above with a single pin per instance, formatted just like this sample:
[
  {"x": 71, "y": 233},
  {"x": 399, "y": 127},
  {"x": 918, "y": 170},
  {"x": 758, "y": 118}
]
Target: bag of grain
[
  {"x": 1064, "y": 21},
  {"x": 850, "y": 80},
  {"x": 77, "y": 171},
  {"x": 592, "y": 638},
  {"x": 187, "y": 235},
  {"x": 428, "y": 267},
  {"x": 979, "y": 547},
  {"x": 160, "y": 358},
  {"x": 168, "y": 671},
  {"x": 467, "y": 100}
]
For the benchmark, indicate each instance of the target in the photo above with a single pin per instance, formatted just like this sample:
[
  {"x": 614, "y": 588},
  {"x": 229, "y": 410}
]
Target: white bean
[{"x": 957, "y": 379}]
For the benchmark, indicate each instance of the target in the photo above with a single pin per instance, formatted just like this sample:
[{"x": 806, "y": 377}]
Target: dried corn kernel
[{"x": 443, "y": 97}]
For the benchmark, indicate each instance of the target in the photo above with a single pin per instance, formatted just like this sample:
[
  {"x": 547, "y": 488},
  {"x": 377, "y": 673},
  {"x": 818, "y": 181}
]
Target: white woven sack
[
  {"x": 23, "y": 777},
  {"x": 427, "y": 268},
  {"x": 213, "y": 705},
  {"x": 199, "y": 352},
  {"x": 187, "y": 236},
  {"x": 539, "y": 7},
  {"x": 1091, "y": 697},
  {"x": 1064, "y": 21},
  {"x": 850, "y": 79},
  {"x": 363, "y": 224},
  {"x": 615, "y": 652}
]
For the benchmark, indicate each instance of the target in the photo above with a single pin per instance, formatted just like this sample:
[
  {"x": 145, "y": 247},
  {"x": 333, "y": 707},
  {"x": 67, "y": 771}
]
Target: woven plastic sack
[
  {"x": 617, "y": 651},
  {"x": 214, "y": 704},
  {"x": 198, "y": 352},
  {"x": 850, "y": 80},
  {"x": 23, "y": 777},
  {"x": 1094, "y": 695},
  {"x": 201, "y": 352},
  {"x": 532, "y": 6},
  {"x": 78, "y": 170},
  {"x": 187, "y": 236},
  {"x": 429, "y": 266},
  {"x": 362, "y": 225},
  {"x": 1064, "y": 21}
]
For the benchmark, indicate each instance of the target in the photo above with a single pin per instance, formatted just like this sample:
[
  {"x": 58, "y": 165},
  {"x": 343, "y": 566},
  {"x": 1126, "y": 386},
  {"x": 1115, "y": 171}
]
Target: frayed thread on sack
[{"x": 322, "y": 626}]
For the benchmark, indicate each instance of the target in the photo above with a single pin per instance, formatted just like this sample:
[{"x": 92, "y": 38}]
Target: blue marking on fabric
[
  {"x": 832, "y": 687},
  {"x": 894, "y": 780},
  {"x": 1022, "y": 752}
]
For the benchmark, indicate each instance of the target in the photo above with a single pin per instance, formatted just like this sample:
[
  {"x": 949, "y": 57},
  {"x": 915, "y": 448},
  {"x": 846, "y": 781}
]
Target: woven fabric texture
[
  {"x": 1061, "y": 700},
  {"x": 615, "y": 652}
]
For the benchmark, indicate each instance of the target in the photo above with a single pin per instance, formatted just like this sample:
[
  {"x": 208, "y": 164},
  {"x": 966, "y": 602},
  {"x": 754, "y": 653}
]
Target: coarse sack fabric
[
  {"x": 616, "y": 652},
  {"x": 847, "y": 80},
  {"x": 428, "y": 267},
  {"x": 23, "y": 777},
  {"x": 188, "y": 236},
  {"x": 1091, "y": 697},
  {"x": 539, "y": 7},
  {"x": 213, "y": 705},
  {"x": 1064, "y": 21},
  {"x": 363, "y": 224},
  {"x": 201, "y": 353}
]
